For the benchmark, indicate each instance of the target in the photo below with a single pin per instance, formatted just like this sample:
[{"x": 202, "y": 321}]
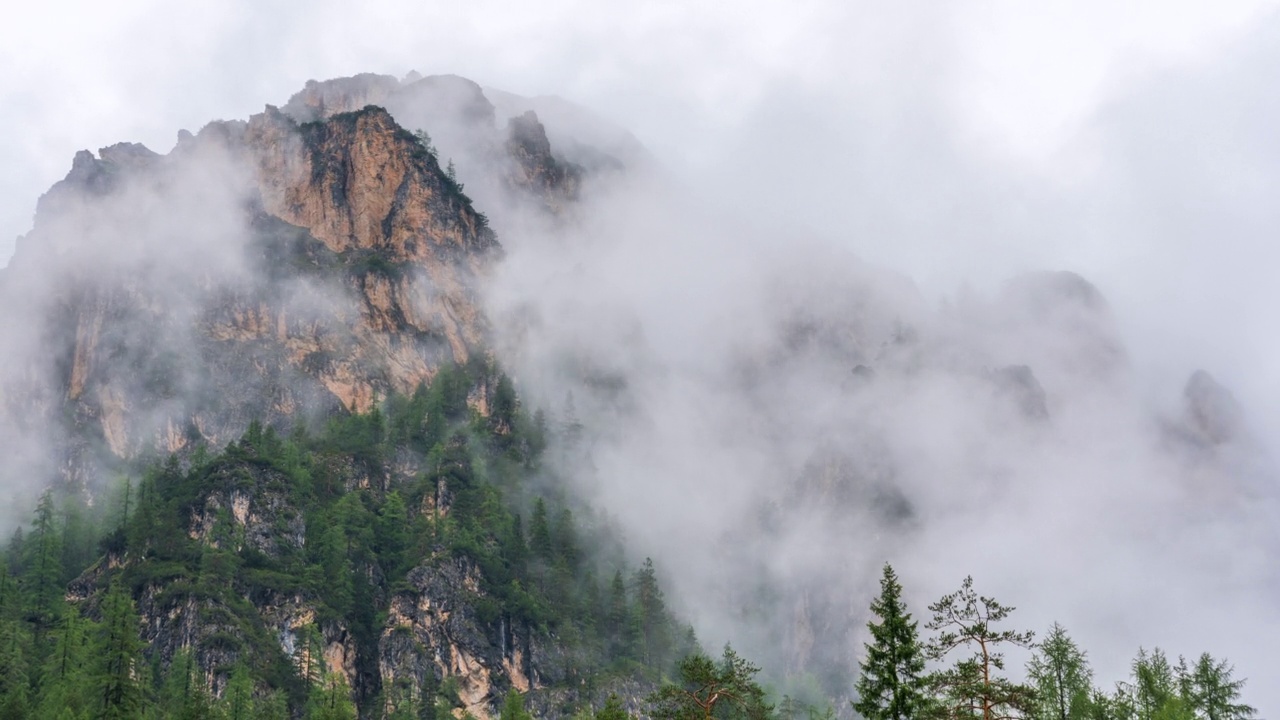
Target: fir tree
[{"x": 892, "y": 685}]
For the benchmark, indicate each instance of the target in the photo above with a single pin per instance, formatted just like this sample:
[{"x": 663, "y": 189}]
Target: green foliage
[
  {"x": 965, "y": 623},
  {"x": 513, "y": 707},
  {"x": 117, "y": 675},
  {"x": 342, "y": 515},
  {"x": 1212, "y": 692},
  {"x": 1060, "y": 674},
  {"x": 612, "y": 709},
  {"x": 892, "y": 685},
  {"x": 726, "y": 689}
]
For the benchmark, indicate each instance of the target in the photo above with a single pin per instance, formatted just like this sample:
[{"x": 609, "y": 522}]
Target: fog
[{"x": 831, "y": 187}]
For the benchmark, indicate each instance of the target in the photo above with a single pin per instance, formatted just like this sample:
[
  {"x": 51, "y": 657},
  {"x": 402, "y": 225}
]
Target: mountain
[{"x": 356, "y": 400}]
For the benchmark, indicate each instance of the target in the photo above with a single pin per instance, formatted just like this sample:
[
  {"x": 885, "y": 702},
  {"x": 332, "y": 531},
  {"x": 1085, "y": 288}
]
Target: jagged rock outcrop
[
  {"x": 1213, "y": 413},
  {"x": 535, "y": 169},
  {"x": 432, "y": 632},
  {"x": 261, "y": 270}
]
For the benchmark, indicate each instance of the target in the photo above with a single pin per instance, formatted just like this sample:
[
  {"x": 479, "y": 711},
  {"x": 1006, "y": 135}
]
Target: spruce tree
[
  {"x": 892, "y": 685},
  {"x": 651, "y": 611}
]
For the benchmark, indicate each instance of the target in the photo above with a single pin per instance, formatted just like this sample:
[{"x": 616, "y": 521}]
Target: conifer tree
[
  {"x": 513, "y": 707},
  {"x": 973, "y": 686},
  {"x": 237, "y": 699},
  {"x": 64, "y": 678},
  {"x": 331, "y": 699},
  {"x": 43, "y": 567},
  {"x": 183, "y": 696},
  {"x": 613, "y": 709},
  {"x": 892, "y": 684},
  {"x": 118, "y": 680},
  {"x": 622, "y": 627},
  {"x": 1212, "y": 693},
  {"x": 651, "y": 611},
  {"x": 540, "y": 532},
  {"x": 1153, "y": 691},
  {"x": 1060, "y": 673},
  {"x": 708, "y": 689},
  {"x": 14, "y": 682}
]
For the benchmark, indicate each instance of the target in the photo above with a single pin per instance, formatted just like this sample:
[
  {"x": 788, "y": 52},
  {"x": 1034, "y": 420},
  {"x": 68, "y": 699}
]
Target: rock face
[
  {"x": 308, "y": 261},
  {"x": 432, "y": 633},
  {"x": 1212, "y": 412},
  {"x": 264, "y": 269},
  {"x": 535, "y": 169},
  {"x": 507, "y": 158}
]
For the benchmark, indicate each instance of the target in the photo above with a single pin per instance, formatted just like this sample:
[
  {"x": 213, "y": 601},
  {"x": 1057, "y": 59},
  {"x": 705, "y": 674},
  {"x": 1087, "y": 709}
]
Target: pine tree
[
  {"x": 892, "y": 684},
  {"x": 1060, "y": 673},
  {"x": 972, "y": 686},
  {"x": 707, "y": 689}
]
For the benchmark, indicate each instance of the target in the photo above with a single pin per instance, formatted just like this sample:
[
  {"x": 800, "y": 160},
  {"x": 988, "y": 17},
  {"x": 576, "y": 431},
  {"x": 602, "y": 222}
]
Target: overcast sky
[
  {"x": 951, "y": 141},
  {"x": 1132, "y": 141}
]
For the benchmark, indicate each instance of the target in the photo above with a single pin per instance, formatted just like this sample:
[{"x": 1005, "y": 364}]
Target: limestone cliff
[{"x": 260, "y": 270}]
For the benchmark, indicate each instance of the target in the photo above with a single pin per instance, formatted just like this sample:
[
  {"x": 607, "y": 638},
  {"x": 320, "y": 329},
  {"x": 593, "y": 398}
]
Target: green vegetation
[
  {"x": 220, "y": 585},
  {"x": 336, "y": 522},
  {"x": 1059, "y": 684},
  {"x": 892, "y": 684}
]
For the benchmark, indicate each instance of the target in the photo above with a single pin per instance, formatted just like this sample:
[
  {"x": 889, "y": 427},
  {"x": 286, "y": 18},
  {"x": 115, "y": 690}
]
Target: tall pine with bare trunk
[{"x": 973, "y": 686}]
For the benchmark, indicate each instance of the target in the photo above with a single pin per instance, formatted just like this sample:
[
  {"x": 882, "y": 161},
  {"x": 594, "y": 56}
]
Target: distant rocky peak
[{"x": 1212, "y": 411}]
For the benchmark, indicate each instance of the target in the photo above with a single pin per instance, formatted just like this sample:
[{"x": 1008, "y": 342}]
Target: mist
[{"x": 796, "y": 331}]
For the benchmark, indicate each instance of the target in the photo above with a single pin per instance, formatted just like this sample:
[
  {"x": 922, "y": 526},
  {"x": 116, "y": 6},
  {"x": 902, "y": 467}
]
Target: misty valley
[{"x": 410, "y": 398}]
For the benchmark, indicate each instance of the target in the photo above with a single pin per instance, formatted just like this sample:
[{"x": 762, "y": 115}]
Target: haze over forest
[{"x": 983, "y": 291}]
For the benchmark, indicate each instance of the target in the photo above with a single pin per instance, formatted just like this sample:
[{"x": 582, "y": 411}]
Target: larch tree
[
  {"x": 1060, "y": 673},
  {"x": 892, "y": 685},
  {"x": 119, "y": 680},
  {"x": 1212, "y": 693}
]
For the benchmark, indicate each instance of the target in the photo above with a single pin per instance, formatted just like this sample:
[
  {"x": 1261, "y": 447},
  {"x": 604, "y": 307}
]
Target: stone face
[
  {"x": 1211, "y": 409},
  {"x": 535, "y": 169},
  {"x": 261, "y": 270}
]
